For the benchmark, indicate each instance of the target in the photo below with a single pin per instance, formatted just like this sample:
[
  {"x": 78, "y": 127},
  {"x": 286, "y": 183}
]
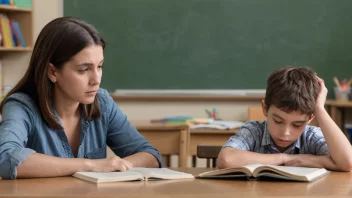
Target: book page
[
  {"x": 100, "y": 177},
  {"x": 227, "y": 172},
  {"x": 252, "y": 167},
  {"x": 298, "y": 173},
  {"x": 162, "y": 173}
]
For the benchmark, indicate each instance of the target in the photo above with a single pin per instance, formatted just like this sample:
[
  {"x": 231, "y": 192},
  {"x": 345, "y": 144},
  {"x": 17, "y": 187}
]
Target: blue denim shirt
[
  {"x": 254, "y": 136},
  {"x": 24, "y": 132}
]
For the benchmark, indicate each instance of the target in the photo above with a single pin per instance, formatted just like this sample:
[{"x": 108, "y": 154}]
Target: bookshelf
[
  {"x": 14, "y": 60},
  {"x": 10, "y": 8},
  {"x": 24, "y": 17}
]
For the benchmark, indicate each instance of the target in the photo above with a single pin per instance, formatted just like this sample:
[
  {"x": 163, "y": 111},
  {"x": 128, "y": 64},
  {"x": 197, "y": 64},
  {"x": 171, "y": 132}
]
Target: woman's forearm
[
  {"x": 143, "y": 159},
  {"x": 40, "y": 165}
]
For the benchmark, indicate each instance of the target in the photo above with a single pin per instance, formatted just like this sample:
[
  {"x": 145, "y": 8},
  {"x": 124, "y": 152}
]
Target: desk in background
[
  {"x": 169, "y": 139},
  {"x": 337, "y": 111},
  {"x": 334, "y": 185}
]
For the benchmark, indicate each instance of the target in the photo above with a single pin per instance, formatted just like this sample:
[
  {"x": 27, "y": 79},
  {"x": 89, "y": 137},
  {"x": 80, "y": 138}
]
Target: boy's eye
[
  {"x": 277, "y": 122},
  {"x": 297, "y": 126}
]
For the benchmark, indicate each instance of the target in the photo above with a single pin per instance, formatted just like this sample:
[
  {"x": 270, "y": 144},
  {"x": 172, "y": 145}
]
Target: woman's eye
[{"x": 83, "y": 70}]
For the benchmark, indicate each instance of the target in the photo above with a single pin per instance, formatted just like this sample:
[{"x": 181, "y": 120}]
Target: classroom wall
[
  {"x": 44, "y": 12},
  {"x": 228, "y": 110},
  {"x": 144, "y": 110}
]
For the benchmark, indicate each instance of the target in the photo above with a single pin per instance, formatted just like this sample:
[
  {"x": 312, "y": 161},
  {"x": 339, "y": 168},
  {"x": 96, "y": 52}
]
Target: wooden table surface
[{"x": 335, "y": 184}]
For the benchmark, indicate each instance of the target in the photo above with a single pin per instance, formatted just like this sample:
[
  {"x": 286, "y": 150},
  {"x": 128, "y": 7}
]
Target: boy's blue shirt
[
  {"x": 254, "y": 136},
  {"x": 24, "y": 132}
]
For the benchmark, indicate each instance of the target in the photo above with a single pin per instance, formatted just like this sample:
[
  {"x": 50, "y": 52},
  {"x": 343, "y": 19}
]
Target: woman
[{"x": 57, "y": 121}]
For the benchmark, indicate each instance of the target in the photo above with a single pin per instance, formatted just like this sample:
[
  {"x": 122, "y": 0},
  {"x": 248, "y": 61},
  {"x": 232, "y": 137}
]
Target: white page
[
  {"x": 163, "y": 173},
  {"x": 301, "y": 171},
  {"x": 107, "y": 175},
  {"x": 252, "y": 167}
]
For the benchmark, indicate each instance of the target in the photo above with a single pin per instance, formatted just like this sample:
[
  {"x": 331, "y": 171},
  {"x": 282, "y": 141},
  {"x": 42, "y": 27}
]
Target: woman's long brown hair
[{"x": 57, "y": 43}]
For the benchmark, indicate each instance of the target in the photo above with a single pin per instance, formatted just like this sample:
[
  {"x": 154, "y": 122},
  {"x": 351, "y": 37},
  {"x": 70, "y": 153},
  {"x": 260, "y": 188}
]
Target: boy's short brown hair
[{"x": 292, "y": 89}]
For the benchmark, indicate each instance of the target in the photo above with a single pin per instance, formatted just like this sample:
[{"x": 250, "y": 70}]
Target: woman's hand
[{"x": 110, "y": 164}]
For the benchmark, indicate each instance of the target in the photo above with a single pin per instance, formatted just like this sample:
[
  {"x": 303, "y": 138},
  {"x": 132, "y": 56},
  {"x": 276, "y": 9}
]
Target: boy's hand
[
  {"x": 110, "y": 164},
  {"x": 323, "y": 91},
  {"x": 303, "y": 160}
]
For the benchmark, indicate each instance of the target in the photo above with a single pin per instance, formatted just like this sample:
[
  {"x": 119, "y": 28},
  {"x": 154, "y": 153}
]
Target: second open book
[
  {"x": 132, "y": 175},
  {"x": 254, "y": 171}
]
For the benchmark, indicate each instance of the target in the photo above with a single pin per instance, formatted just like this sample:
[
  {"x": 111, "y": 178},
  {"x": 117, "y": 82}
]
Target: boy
[{"x": 294, "y": 96}]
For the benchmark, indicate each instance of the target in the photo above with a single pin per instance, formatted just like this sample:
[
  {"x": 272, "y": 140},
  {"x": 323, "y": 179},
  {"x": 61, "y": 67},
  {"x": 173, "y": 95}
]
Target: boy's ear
[
  {"x": 311, "y": 118},
  {"x": 52, "y": 74},
  {"x": 264, "y": 109}
]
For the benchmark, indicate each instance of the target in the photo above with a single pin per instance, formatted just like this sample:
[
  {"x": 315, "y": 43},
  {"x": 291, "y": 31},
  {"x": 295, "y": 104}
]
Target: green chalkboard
[{"x": 217, "y": 44}]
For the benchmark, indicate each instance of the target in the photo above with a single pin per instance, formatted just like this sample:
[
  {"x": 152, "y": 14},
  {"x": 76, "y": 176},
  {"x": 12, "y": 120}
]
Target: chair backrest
[
  {"x": 255, "y": 113},
  {"x": 209, "y": 152}
]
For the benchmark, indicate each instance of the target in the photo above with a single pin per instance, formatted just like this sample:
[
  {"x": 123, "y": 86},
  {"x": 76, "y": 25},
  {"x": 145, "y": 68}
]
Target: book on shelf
[
  {"x": 134, "y": 174},
  {"x": 258, "y": 171},
  {"x": 10, "y": 33}
]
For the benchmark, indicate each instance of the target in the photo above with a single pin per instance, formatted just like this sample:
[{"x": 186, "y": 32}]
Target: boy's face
[{"x": 285, "y": 128}]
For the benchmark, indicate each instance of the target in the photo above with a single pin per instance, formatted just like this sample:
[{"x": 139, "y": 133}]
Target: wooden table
[
  {"x": 334, "y": 185},
  {"x": 169, "y": 139}
]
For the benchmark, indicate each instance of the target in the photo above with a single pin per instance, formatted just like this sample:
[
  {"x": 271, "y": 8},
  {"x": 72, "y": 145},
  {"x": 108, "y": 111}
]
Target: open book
[
  {"x": 254, "y": 171},
  {"x": 132, "y": 175}
]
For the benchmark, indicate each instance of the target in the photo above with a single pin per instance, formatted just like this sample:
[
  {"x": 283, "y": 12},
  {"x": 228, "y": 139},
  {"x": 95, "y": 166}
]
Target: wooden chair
[
  {"x": 209, "y": 152},
  {"x": 255, "y": 113}
]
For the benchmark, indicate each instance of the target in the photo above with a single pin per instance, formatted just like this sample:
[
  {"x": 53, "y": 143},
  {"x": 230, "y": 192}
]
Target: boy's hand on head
[
  {"x": 303, "y": 160},
  {"x": 323, "y": 91}
]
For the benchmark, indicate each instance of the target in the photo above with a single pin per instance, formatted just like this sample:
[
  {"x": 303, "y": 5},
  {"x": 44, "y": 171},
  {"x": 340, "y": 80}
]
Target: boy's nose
[{"x": 286, "y": 132}]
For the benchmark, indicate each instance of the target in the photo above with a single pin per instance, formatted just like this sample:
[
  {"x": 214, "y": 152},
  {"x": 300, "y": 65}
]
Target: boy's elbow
[
  {"x": 224, "y": 159},
  {"x": 348, "y": 166},
  {"x": 345, "y": 166},
  {"x": 222, "y": 162}
]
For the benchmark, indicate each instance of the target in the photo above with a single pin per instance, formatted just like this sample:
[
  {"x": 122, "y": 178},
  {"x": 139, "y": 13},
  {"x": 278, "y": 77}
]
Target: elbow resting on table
[
  {"x": 347, "y": 167},
  {"x": 224, "y": 160}
]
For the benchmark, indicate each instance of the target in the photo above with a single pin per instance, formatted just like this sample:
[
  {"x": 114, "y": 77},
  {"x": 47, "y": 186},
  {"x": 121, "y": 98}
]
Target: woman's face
[{"x": 80, "y": 77}]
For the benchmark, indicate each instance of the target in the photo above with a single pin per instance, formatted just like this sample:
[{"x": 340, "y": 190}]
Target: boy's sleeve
[
  {"x": 316, "y": 142},
  {"x": 242, "y": 140},
  {"x": 14, "y": 129},
  {"x": 123, "y": 138}
]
